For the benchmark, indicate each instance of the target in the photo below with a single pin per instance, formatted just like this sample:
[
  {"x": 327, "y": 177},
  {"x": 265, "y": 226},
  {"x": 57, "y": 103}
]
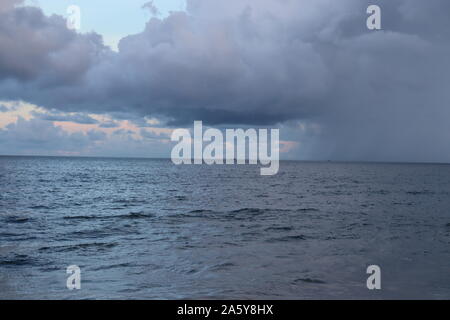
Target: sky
[
  {"x": 312, "y": 68},
  {"x": 113, "y": 19}
]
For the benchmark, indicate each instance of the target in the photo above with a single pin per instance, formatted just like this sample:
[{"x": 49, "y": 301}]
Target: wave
[
  {"x": 288, "y": 238},
  {"x": 19, "y": 260},
  {"x": 15, "y": 219},
  {"x": 131, "y": 215},
  {"x": 309, "y": 280},
  {"x": 80, "y": 246},
  {"x": 40, "y": 207}
]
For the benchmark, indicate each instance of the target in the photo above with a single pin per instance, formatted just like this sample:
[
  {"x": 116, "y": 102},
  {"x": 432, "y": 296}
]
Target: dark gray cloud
[
  {"x": 9, "y": 4},
  {"x": 65, "y": 117},
  {"x": 109, "y": 124},
  {"x": 95, "y": 135},
  {"x": 149, "y": 134},
  {"x": 123, "y": 132},
  {"x": 41, "y": 137},
  {"x": 38, "y": 136},
  {"x": 41, "y": 52},
  {"x": 369, "y": 94},
  {"x": 151, "y": 7}
]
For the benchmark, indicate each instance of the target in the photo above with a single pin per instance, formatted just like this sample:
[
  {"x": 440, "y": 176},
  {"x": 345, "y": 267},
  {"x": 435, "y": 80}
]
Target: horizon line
[{"x": 284, "y": 160}]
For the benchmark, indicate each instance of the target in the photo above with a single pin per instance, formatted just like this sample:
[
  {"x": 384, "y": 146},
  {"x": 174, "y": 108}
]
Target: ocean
[{"x": 147, "y": 229}]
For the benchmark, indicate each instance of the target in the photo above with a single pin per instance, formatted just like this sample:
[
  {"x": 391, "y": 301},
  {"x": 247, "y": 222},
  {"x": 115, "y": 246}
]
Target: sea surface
[{"x": 147, "y": 229}]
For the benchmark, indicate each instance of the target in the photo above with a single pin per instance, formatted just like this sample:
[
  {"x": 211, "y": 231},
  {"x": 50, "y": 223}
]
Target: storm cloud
[
  {"x": 33, "y": 136},
  {"x": 368, "y": 95},
  {"x": 63, "y": 117}
]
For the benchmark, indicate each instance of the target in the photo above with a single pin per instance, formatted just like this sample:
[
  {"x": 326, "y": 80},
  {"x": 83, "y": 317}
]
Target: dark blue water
[{"x": 148, "y": 229}]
